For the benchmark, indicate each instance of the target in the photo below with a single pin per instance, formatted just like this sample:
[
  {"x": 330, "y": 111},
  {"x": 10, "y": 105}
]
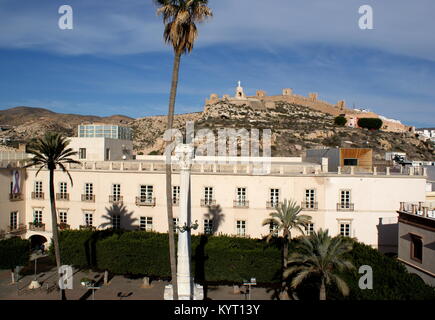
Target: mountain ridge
[{"x": 295, "y": 128}]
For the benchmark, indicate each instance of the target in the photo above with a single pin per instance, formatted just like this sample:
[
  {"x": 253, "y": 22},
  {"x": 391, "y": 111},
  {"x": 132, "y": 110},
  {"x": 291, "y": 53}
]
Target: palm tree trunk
[
  {"x": 323, "y": 290},
  {"x": 172, "y": 256},
  {"x": 284, "y": 295},
  {"x": 285, "y": 252},
  {"x": 55, "y": 229}
]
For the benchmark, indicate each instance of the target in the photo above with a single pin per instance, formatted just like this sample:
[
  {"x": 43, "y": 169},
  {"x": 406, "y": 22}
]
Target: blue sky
[{"x": 114, "y": 61}]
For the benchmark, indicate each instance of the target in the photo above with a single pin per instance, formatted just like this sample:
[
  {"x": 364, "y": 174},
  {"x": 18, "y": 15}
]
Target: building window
[
  {"x": 208, "y": 196},
  {"x": 89, "y": 219},
  {"x": 146, "y": 223},
  {"x": 175, "y": 220},
  {"x": 274, "y": 197},
  {"x": 82, "y": 153},
  {"x": 146, "y": 193},
  {"x": 345, "y": 229},
  {"x": 241, "y": 228},
  {"x": 63, "y": 217},
  {"x": 309, "y": 229},
  {"x": 38, "y": 187},
  {"x": 273, "y": 229},
  {"x": 37, "y": 216},
  {"x": 345, "y": 200},
  {"x": 416, "y": 248},
  {"x": 116, "y": 221},
  {"x": 13, "y": 220},
  {"x": 63, "y": 188},
  {"x": 350, "y": 162},
  {"x": 116, "y": 192},
  {"x": 107, "y": 154},
  {"x": 208, "y": 226},
  {"x": 89, "y": 188},
  {"x": 175, "y": 195},
  {"x": 241, "y": 200},
  {"x": 310, "y": 199}
]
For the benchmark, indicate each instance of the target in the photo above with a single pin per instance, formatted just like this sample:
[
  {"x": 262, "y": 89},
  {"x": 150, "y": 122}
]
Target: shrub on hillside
[
  {"x": 340, "y": 121},
  {"x": 370, "y": 123}
]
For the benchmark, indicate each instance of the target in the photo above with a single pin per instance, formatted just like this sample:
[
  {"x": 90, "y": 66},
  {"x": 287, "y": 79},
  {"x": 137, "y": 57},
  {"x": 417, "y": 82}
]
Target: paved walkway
[{"x": 119, "y": 288}]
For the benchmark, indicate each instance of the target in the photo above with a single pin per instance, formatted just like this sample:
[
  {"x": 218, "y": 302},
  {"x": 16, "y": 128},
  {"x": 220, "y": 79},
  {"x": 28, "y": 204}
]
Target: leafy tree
[
  {"x": 323, "y": 256},
  {"x": 14, "y": 252},
  {"x": 50, "y": 152},
  {"x": 340, "y": 121},
  {"x": 391, "y": 280},
  {"x": 180, "y": 18},
  {"x": 370, "y": 123}
]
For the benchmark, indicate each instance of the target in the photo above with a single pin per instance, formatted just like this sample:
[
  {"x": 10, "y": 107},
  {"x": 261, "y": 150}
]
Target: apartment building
[
  {"x": 417, "y": 239},
  {"x": 226, "y": 198}
]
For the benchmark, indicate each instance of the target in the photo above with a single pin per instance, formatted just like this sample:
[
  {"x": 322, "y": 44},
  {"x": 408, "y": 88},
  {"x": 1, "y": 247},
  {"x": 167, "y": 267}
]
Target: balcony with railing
[
  {"x": 423, "y": 209},
  {"x": 36, "y": 226},
  {"x": 16, "y": 229},
  {"x": 64, "y": 226},
  {"x": 88, "y": 197},
  {"x": 208, "y": 202},
  {"x": 15, "y": 197},
  {"x": 271, "y": 204},
  {"x": 38, "y": 195},
  {"x": 309, "y": 206},
  {"x": 116, "y": 199},
  {"x": 345, "y": 206},
  {"x": 87, "y": 227},
  {"x": 62, "y": 196},
  {"x": 146, "y": 201},
  {"x": 241, "y": 203},
  {"x": 175, "y": 202}
]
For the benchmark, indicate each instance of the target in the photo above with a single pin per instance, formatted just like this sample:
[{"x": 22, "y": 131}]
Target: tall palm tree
[
  {"x": 50, "y": 152},
  {"x": 285, "y": 218},
  {"x": 179, "y": 17},
  {"x": 322, "y": 255}
]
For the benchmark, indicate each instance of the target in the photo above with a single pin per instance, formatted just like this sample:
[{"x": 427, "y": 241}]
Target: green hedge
[
  {"x": 14, "y": 252},
  {"x": 216, "y": 258},
  {"x": 370, "y": 123}
]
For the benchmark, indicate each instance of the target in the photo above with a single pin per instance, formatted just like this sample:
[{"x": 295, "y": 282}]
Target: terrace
[{"x": 423, "y": 209}]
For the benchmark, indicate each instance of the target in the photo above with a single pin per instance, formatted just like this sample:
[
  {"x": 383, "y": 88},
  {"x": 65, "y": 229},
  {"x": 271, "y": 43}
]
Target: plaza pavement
[{"x": 118, "y": 288}]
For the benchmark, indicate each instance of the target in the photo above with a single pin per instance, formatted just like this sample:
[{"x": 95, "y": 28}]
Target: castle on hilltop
[{"x": 261, "y": 101}]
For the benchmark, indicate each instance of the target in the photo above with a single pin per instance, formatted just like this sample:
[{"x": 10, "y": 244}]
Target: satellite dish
[{"x": 124, "y": 157}]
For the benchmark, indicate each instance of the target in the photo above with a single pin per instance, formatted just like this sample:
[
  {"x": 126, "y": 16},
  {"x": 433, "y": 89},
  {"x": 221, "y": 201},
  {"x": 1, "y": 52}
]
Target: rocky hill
[
  {"x": 294, "y": 128},
  {"x": 20, "y": 124}
]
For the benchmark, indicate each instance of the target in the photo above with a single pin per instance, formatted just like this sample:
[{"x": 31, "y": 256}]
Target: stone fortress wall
[{"x": 262, "y": 101}]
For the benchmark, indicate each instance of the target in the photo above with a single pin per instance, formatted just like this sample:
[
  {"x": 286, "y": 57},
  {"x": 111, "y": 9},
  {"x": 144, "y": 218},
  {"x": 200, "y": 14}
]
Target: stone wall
[{"x": 262, "y": 101}]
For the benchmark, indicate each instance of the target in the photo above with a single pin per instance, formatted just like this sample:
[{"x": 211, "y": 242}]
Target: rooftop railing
[
  {"x": 281, "y": 166},
  {"x": 424, "y": 209}
]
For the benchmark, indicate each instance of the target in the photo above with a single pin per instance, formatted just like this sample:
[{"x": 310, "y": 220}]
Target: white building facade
[{"x": 225, "y": 198}]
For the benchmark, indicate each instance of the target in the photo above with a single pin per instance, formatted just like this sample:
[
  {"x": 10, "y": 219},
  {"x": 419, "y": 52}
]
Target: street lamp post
[{"x": 187, "y": 289}]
